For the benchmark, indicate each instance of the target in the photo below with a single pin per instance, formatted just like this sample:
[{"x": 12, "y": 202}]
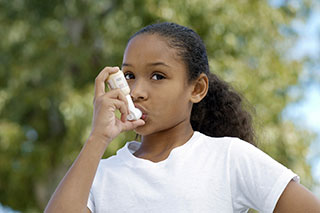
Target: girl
[{"x": 192, "y": 157}]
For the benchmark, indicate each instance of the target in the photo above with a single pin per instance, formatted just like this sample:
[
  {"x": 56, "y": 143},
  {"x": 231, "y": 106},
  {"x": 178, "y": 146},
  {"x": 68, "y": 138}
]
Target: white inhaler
[{"x": 118, "y": 81}]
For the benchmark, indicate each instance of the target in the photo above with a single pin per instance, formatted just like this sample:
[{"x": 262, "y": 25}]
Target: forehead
[{"x": 150, "y": 48}]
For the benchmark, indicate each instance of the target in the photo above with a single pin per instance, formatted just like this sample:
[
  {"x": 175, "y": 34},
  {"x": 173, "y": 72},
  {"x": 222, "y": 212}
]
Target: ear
[{"x": 199, "y": 88}]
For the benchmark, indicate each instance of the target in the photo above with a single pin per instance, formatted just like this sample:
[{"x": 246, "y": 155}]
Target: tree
[{"x": 51, "y": 53}]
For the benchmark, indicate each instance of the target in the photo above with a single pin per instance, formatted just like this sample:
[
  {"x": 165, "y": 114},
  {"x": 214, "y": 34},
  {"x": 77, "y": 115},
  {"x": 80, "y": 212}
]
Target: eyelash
[
  {"x": 129, "y": 76},
  {"x": 157, "y": 74}
]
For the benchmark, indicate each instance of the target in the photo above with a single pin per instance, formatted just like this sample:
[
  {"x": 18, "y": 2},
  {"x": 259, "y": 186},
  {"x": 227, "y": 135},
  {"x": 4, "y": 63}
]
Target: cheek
[
  {"x": 167, "y": 110},
  {"x": 171, "y": 103}
]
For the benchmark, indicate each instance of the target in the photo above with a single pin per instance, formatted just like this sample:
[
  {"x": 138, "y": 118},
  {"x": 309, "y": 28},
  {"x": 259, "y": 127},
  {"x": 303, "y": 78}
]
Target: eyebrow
[
  {"x": 149, "y": 64},
  {"x": 126, "y": 65},
  {"x": 158, "y": 64}
]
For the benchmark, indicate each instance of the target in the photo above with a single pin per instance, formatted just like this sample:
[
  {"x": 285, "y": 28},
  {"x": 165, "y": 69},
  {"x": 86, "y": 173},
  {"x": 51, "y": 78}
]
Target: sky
[{"x": 306, "y": 112}]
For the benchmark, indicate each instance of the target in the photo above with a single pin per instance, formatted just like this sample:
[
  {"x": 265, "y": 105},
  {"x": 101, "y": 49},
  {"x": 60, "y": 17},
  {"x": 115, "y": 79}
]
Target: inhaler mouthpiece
[{"x": 135, "y": 113}]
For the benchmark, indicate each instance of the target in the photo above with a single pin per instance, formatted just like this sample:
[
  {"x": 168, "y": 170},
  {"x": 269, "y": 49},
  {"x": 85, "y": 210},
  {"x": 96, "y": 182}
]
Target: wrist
[{"x": 99, "y": 140}]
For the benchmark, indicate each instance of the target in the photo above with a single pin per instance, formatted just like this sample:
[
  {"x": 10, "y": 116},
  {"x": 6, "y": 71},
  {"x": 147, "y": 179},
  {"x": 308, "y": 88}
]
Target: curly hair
[{"x": 221, "y": 113}]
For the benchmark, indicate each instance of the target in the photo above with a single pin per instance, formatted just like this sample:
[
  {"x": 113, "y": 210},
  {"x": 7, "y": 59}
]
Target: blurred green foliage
[{"x": 51, "y": 52}]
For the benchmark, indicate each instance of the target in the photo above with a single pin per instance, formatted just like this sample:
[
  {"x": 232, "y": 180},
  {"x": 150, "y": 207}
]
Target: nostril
[{"x": 137, "y": 98}]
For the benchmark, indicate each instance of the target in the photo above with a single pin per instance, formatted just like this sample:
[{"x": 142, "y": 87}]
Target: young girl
[{"x": 192, "y": 157}]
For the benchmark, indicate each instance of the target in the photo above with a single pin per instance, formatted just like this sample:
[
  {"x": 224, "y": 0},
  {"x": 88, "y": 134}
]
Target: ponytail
[{"x": 221, "y": 113}]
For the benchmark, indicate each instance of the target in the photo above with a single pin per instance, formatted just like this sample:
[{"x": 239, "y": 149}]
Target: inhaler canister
[{"x": 118, "y": 81}]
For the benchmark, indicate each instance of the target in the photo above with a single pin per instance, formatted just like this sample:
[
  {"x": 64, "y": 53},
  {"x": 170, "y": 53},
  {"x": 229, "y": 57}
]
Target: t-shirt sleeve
[
  {"x": 90, "y": 203},
  {"x": 256, "y": 180}
]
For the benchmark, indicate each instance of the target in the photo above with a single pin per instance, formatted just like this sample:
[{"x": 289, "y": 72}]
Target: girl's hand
[{"x": 105, "y": 124}]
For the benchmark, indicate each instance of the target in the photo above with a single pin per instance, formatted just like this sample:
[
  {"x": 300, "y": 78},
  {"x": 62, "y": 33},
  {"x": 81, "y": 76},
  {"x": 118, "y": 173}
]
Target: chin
[
  {"x": 141, "y": 131},
  {"x": 145, "y": 130}
]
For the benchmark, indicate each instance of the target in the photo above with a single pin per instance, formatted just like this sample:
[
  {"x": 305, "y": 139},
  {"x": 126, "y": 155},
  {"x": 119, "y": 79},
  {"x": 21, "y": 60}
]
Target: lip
[{"x": 144, "y": 112}]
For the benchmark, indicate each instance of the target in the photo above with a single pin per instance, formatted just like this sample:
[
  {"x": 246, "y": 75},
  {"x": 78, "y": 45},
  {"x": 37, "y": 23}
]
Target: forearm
[{"x": 72, "y": 193}]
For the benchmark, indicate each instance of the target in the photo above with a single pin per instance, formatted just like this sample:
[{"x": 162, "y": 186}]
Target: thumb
[{"x": 130, "y": 125}]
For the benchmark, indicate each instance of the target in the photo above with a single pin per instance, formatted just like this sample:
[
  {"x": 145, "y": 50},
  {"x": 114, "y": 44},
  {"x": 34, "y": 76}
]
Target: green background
[{"x": 51, "y": 52}]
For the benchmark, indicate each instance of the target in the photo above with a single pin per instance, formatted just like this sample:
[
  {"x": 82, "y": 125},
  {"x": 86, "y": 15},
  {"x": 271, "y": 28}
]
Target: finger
[
  {"x": 99, "y": 86},
  {"x": 123, "y": 117},
  {"x": 130, "y": 125},
  {"x": 122, "y": 107},
  {"x": 118, "y": 94}
]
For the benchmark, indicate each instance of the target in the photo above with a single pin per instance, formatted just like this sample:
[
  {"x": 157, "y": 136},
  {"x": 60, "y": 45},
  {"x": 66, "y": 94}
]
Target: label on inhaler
[{"x": 117, "y": 83}]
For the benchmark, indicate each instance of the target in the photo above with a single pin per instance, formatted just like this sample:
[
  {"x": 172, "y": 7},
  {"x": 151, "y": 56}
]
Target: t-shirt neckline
[{"x": 126, "y": 153}]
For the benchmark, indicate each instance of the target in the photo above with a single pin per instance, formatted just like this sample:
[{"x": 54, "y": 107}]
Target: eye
[
  {"x": 129, "y": 75},
  {"x": 157, "y": 76}
]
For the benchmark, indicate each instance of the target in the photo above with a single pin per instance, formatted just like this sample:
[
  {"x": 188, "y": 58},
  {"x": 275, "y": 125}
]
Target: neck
[{"x": 157, "y": 146}]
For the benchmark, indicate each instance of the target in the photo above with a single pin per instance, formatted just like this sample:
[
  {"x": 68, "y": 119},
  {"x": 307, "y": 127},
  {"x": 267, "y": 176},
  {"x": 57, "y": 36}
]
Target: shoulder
[
  {"x": 222, "y": 149},
  {"x": 235, "y": 146},
  {"x": 215, "y": 141},
  {"x": 228, "y": 144},
  {"x": 236, "y": 151}
]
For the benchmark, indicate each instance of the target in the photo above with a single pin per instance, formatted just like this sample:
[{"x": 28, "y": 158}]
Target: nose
[{"x": 138, "y": 91}]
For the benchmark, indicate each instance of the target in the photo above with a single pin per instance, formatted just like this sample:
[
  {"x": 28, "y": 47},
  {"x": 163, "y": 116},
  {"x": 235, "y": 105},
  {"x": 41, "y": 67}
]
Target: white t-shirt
[{"x": 205, "y": 174}]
